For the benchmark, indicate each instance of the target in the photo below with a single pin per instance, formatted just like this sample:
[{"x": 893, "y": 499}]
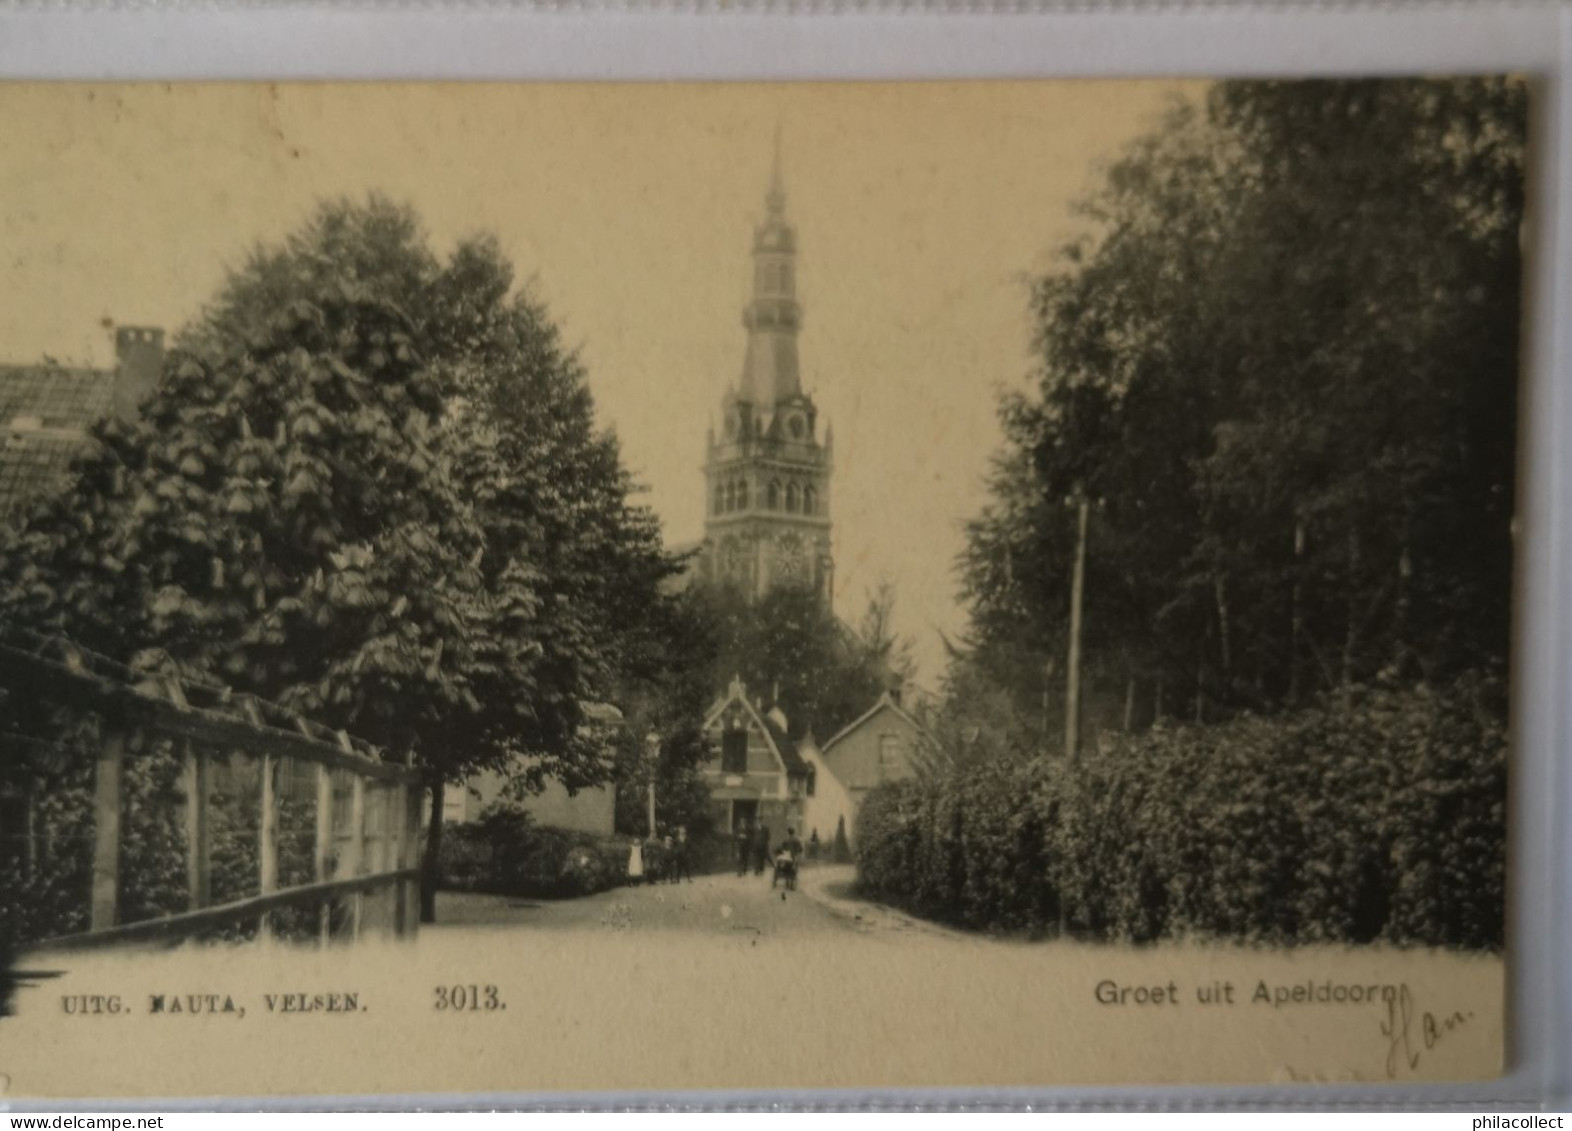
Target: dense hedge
[
  {"x": 509, "y": 854},
  {"x": 1383, "y": 821}
]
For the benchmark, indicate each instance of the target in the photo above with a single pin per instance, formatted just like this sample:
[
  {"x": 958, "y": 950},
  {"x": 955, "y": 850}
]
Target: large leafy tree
[
  {"x": 1281, "y": 370},
  {"x": 371, "y": 487}
]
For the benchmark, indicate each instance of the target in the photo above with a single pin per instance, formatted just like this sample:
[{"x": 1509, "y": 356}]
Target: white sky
[{"x": 920, "y": 211}]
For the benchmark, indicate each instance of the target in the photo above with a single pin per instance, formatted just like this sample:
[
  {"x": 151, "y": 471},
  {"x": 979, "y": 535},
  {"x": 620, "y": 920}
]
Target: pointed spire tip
[{"x": 777, "y": 193}]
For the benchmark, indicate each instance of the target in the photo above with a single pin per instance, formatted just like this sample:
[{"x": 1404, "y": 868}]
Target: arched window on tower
[
  {"x": 742, "y": 494},
  {"x": 731, "y": 497},
  {"x": 772, "y": 496},
  {"x": 810, "y": 501},
  {"x": 720, "y": 499},
  {"x": 793, "y": 500}
]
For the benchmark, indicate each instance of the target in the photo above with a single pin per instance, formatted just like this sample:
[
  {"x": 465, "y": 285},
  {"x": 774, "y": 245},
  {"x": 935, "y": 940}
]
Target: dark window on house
[
  {"x": 813, "y": 779},
  {"x": 734, "y": 752}
]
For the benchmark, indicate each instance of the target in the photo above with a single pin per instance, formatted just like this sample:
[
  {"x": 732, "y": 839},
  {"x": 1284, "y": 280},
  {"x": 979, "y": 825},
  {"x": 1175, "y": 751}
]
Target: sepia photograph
[{"x": 563, "y": 587}]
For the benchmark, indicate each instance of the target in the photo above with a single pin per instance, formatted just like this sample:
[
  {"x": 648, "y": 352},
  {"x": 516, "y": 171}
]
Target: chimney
[{"x": 139, "y": 353}]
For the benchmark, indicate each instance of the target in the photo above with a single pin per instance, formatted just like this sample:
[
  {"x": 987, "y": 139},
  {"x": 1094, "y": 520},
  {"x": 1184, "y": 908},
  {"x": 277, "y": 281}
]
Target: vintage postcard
[{"x": 561, "y": 587}]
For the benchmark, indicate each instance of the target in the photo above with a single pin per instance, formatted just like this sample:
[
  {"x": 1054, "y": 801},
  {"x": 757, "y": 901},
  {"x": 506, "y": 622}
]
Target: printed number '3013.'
[{"x": 474, "y": 999}]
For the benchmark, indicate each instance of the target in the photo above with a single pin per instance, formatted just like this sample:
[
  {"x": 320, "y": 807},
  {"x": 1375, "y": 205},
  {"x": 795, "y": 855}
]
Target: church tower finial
[
  {"x": 775, "y": 198},
  {"x": 773, "y": 316}
]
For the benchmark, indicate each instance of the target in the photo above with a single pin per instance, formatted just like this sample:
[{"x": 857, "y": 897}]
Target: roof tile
[{"x": 45, "y": 411}]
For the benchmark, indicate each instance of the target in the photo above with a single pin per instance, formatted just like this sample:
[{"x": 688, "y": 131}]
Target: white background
[{"x": 457, "y": 42}]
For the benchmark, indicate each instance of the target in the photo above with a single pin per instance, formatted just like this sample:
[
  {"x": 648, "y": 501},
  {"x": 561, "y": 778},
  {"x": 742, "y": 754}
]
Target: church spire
[
  {"x": 775, "y": 198},
  {"x": 769, "y": 369}
]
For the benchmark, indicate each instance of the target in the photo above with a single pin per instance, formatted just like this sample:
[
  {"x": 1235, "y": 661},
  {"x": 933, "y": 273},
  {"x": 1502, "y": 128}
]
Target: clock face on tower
[{"x": 791, "y": 559}]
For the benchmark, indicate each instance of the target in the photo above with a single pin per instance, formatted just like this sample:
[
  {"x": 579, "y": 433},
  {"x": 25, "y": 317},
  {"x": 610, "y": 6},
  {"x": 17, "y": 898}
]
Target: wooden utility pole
[
  {"x": 1351, "y": 635},
  {"x": 1297, "y": 614},
  {"x": 1072, "y": 682},
  {"x": 1405, "y": 576}
]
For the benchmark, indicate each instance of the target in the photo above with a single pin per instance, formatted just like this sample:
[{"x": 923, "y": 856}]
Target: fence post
[
  {"x": 400, "y": 814},
  {"x": 413, "y": 800},
  {"x": 324, "y": 844},
  {"x": 388, "y": 855},
  {"x": 198, "y": 869},
  {"x": 267, "y": 847},
  {"x": 354, "y": 858},
  {"x": 108, "y": 777},
  {"x": 393, "y": 853}
]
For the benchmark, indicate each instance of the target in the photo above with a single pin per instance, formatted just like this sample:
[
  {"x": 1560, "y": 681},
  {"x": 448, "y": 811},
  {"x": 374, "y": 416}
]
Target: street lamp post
[{"x": 652, "y": 756}]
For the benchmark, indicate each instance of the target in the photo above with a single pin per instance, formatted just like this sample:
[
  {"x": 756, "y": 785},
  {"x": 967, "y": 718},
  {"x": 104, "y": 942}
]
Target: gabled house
[
  {"x": 757, "y": 773},
  {"x": 883, "y": 744}
]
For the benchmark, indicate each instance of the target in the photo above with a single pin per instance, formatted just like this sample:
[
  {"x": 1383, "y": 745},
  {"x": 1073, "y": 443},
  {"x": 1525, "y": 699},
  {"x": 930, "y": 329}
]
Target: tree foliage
[
  {"x": 792, "y": 650},
  {"x": 370, "y": 486},
  {"x": 671, "y": 703},
  {"x": 1282, "y": 368}
]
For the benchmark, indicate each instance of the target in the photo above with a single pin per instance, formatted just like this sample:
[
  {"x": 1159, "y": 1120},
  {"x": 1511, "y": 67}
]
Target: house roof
[
  {"x": 785, "y": 748},
  {"x": 45, "y": 412},
  {"x": 60, "y": 397},
  {"x": 886, "y": 702}
]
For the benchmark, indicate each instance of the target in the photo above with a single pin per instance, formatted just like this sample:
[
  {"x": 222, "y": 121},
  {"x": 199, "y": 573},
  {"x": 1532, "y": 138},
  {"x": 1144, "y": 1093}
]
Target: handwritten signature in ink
[{"x": 1410, "y": 1032}]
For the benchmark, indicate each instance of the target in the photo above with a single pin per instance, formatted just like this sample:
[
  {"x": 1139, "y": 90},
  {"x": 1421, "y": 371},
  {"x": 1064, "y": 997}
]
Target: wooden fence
[{"x": 143, "y": 808}]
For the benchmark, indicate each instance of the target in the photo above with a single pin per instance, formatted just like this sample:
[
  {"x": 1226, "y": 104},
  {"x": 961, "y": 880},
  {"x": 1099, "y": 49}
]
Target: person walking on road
[
  {"x": 681, "y": 857},
  {"x": 761, "y": 849},
  {"x": 636, "y": 862},
  {"x": 786, "y": 858},
  {"x": 744, "y": 845}
]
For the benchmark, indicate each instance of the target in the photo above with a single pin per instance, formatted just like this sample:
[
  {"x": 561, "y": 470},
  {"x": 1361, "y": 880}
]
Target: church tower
[{"x": 767, "y": 512}]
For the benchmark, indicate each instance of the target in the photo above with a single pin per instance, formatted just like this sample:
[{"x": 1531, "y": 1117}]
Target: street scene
[
  {"x": 1015, "y": 530},
  {"x": 723, "y": 904}
]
